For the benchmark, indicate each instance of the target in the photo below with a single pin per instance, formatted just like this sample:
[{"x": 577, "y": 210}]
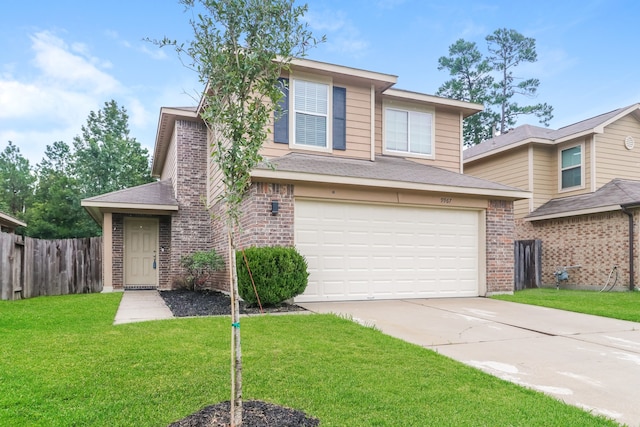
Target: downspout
[{"x": 631, "y": 263}]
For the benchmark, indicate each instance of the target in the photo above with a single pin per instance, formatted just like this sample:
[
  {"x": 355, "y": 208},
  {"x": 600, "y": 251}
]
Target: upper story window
[
  {"x": 571, "y": 167},
  {"x": 314, "y": 113},
  {"x": 408, "y": 131},
  {"x": 311, "y": 108}
]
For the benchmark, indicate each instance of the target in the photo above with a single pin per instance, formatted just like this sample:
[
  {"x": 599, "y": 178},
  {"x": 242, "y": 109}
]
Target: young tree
[
  {"x": 106, "y": 158},
  {"x": 507, "y": 50},
  {"x": 239, "y": 50},
  {"x": 16, "y": 181},
  {"x": 472, "y": 82}
]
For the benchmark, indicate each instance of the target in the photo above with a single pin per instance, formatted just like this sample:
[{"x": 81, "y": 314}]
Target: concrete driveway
[{"x": 587, "y": 361}]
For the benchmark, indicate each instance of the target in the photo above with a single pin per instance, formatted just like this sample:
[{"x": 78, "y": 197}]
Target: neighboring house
[
  {"x": 585, "y": 180},
  {"x": 8, "y": 224},
  {"x": 366, "y": 183}
]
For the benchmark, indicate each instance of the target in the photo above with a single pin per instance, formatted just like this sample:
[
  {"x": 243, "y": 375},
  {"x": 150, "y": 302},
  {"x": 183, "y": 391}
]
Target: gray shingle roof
[
  {"x": 158, "y": 193},
  {"x": 540, "y": 134},
  {"x": 615, "y": 193},
  {"x": 383, "y": 168}
]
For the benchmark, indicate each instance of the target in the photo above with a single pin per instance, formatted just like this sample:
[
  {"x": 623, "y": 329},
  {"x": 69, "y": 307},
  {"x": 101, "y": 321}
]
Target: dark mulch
[
  {"x": 186, "y": 303},
  {"x": 255, "y": 413}
]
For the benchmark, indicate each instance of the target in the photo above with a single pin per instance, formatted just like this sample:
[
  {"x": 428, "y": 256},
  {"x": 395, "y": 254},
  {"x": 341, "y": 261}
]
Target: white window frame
[
  {"x": 406, "y": 107},
  {"x": 581, "y": 166},
  {"x": 292, "y": 122}
]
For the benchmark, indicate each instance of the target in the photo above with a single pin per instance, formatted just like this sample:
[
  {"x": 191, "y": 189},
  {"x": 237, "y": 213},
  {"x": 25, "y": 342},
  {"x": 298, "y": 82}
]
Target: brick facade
[
  {"x": 594, "y": 242},
  {"x": 189, "y": 229},
  {"x": 258, "y": 226},
  {"x": 191, "y": 225},
  {"x": 500, "y": 229}
]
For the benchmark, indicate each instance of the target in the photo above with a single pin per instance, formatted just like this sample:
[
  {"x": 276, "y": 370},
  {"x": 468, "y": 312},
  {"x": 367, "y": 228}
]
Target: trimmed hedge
[{"x": 280, "y": 273}]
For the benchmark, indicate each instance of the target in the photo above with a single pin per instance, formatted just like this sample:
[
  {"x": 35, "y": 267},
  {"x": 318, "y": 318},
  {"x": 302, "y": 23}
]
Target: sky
[{"x": 60, "y": 60}]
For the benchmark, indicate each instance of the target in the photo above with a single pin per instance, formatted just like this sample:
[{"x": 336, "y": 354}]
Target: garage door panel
[{"x": 364, "y": 251}]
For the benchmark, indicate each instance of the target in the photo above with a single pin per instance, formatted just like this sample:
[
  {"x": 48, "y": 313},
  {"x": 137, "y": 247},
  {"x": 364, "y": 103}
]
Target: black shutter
[
  {"x": 339, "y": 118},
  {"x": 281, "y": 125}
]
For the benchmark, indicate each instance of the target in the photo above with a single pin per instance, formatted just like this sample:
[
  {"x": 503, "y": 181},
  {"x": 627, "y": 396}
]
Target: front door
[{"x": 140, "y": 246}]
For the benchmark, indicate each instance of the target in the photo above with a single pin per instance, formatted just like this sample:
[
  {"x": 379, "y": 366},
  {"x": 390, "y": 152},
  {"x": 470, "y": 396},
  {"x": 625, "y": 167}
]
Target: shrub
[
  {"x": 280, "y": 273},
  {"x": 199, "y": 266}
]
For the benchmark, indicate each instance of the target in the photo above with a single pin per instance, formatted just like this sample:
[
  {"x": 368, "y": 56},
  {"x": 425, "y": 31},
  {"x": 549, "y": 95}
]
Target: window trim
[
  {"x": 292, "y": 122},
  {"x": 408, "y": 107},
  {"x": 581, "y": 166}
]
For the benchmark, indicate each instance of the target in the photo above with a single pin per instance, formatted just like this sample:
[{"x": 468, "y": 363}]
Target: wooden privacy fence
[
  {"x": 33, "y": 267},
  {"x": 528, "y": 264}
]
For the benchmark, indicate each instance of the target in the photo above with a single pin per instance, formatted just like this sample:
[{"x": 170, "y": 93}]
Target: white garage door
[{"x": 366, "y": 251}]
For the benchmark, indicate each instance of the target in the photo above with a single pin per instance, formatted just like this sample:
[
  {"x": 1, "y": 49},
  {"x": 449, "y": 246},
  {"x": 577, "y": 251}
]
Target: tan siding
[
  {"x": 169, "y": 170},
  {"x": 358, "y": 127},
  {"x": 545, "y": 175},
  {"x": 613, "y": 159},
  {"x": 378, "y": 126},
  {"x": 511, "y": 168}
]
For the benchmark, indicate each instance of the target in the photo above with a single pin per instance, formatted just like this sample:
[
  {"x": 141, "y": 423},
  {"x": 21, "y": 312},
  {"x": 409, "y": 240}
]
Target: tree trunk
[{"x": 236, "y": 349}]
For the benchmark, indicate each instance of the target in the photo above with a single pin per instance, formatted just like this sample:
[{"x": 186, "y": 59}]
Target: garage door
[{"x": 366, "y": 251}]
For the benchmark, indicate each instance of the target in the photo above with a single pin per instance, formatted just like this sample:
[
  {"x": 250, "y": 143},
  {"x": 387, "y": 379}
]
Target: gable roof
[
  {"x": 156, "y": 196},
  {"x": 607, "y": 198},
  {"x": 385, "y": 172},
  {"x": 527, "y": 134}
]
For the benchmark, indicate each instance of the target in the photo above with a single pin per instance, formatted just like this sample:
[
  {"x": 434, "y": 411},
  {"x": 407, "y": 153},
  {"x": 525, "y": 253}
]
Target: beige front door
[{"x": 140, "y": 250}]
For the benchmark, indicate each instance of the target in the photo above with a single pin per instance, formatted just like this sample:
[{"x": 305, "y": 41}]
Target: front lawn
[
  {"x": 63, "y": 363},
  {"x": 619, "y": 305}
]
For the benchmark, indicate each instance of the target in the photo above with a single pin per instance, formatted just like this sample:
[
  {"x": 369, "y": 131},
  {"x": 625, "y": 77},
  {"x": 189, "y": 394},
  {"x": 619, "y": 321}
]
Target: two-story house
[
  {"x": 366, "y": 182},
  {"x": 585, "y": 180}
]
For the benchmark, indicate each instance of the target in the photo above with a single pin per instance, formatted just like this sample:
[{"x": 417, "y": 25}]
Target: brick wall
[
  {"x": 258, "y": 227},
  {"x": 117, "y": 242},
  {"x": 595, "y": 242},
  {"x": 191, "y": 225},
  {"x": 500, "y": 229}
]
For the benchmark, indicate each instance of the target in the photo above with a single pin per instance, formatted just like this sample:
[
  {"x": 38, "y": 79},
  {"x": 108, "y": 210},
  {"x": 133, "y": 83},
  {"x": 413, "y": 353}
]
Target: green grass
[
  {"x": 619, "y": 305},
  {"x": 63, "y": 363}
]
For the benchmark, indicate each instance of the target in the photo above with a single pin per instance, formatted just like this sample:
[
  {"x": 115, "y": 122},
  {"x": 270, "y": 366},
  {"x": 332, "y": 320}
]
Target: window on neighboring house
[
  {"x": 311, "y": 107},
  {"x": 408, "y": 131},
  {"x": 571, "y": 167}
]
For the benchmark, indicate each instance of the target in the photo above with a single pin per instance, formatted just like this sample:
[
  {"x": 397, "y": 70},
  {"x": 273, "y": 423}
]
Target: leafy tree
[
  {"x": 56, "y": 212},
  {"x": 507, "y": 50},
  {"x": 17, "y": 181},
  {"x": 106, "y": 158},
  {"x": 472, "y": 82},
  {"x": 490, "y": 81},
  {"x": 239, "y": 50}
]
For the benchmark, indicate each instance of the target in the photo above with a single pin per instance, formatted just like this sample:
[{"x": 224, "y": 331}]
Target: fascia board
[
  {"x": 597, "y": 210},
  {"x": 382, "y": 183}
]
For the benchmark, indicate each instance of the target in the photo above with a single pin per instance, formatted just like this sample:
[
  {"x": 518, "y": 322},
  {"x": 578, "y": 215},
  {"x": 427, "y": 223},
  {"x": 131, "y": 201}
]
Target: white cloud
[
  {"x": 147, "y": 48},
  {"x": 57, "y": 62},
  {"x": 51, "y": 100},
  {"x": 342, "y": 35}
]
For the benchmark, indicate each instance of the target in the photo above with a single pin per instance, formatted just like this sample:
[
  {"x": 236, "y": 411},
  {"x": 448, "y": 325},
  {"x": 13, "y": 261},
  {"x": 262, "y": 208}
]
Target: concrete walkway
[
  {"x": 140, "y": 306},
  {"x": 588, "y": 361}
]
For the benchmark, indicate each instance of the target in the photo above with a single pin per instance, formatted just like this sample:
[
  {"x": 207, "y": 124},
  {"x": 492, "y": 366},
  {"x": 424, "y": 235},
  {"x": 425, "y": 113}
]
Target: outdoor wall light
[{"x": 274, "y": 207}]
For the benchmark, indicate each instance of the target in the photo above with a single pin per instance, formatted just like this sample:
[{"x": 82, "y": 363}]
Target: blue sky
[{"x": 61, "y": 59}]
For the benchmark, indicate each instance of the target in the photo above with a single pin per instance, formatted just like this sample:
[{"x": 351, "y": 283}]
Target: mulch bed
[
  {"x": 255, "y": 413},
  {"x": 186, "y": 303}
]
